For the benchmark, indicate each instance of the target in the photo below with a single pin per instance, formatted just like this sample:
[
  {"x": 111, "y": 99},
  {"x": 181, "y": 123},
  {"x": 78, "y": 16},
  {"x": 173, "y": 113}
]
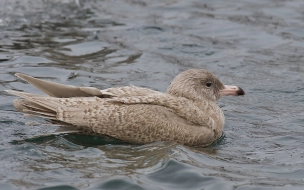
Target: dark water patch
[
  {"x": 89, "y": 141},
  {"x": 60, "y": 187},
  {"x": 120, "y": 184},
  {"x": 104, "y": 23},
  {"x": 38, "y": 140},
  {"x": 176, "y": 175},
  {"x": 5, "y": 57},
  {"x": 69, "y": 141},
  {"x": 262, "y": 187},
  {"x": 150, "y": 30}
]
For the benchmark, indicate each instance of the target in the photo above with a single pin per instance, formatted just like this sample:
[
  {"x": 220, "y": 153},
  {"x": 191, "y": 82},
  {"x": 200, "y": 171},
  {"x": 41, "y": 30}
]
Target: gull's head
[{"x": 198, "y": 84}]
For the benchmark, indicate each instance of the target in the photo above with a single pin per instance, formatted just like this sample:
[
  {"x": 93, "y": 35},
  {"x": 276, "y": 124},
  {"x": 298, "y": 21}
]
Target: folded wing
[{"x": 67, "y": 91}]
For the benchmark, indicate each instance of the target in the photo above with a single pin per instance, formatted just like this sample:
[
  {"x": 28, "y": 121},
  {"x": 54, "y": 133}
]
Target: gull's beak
[{"x": 232, "y": 90}]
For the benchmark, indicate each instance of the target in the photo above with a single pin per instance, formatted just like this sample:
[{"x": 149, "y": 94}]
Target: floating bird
[{"x": 187, "y": 113}]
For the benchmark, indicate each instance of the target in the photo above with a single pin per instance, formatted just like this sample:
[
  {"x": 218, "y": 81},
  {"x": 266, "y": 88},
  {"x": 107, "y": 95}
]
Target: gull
[{"x": 187, "y": 113}]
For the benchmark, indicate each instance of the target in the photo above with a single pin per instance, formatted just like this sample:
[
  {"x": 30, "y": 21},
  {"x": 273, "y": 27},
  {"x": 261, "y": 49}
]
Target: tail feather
[
  {"x": 50, "y": 107},
  {"x": 32, "y": 109},
  {"x": 40, "y": 113},
  {"x": 39, "y": 116},
  {"x": 44, "y": 101},
  {"x": 21, "y": 104},
  {"x": 34, "y": 105}
]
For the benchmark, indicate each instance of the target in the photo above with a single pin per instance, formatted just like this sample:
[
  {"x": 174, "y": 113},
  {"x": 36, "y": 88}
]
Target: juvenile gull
[{"x": 187, "y": 113}]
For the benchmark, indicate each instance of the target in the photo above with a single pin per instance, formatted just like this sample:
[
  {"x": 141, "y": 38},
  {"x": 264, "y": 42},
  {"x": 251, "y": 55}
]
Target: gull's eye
[{"x": 208, "y": 84}]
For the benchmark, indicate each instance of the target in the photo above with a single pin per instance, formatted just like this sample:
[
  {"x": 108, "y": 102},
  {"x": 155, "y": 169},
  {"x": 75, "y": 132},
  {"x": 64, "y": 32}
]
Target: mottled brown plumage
[{"x": 187, "y": 113}]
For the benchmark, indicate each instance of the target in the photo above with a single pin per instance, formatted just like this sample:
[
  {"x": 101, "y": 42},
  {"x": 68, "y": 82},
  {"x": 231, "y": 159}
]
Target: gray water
[{"x": 258, "y": 45}]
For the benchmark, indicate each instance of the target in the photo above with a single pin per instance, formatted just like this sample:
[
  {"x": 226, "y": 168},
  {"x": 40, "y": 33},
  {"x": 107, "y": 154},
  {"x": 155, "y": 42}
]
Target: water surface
[{"x": 257, "y": 45}]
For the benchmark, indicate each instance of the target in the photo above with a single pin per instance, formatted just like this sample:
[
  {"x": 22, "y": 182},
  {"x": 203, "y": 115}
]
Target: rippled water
[{"x": 257, "y": 45}]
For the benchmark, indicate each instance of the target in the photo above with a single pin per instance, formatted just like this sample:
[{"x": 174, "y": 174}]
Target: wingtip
[
  {"x": 18, "y": 75},
  {"x": 8, "y": 91},
  {"x": 22, "y": 76},
  {"x": 11, "y": 91}
]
